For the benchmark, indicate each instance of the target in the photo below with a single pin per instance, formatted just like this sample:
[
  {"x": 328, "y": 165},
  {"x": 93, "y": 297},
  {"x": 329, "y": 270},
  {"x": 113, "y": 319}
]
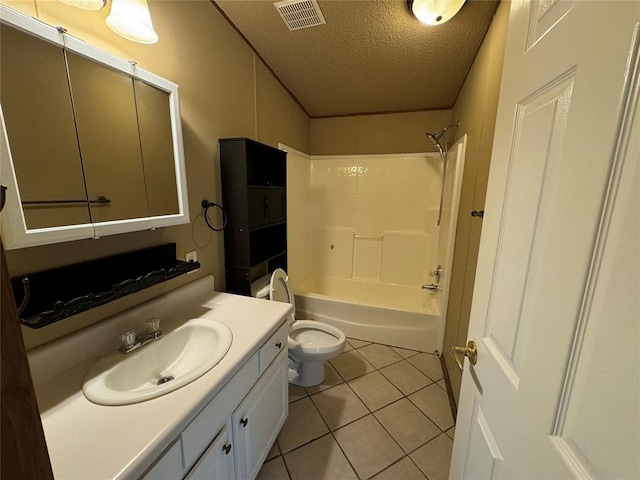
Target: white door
[{"x": 555, "y": 391}]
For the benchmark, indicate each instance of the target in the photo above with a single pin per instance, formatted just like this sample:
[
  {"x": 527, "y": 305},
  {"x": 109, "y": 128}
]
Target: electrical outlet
[{"x": 191, "y": 257}]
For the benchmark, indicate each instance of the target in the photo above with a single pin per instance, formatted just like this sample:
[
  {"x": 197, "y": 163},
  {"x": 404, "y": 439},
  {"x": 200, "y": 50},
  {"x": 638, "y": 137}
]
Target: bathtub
[{"x": 402, "y": 316}]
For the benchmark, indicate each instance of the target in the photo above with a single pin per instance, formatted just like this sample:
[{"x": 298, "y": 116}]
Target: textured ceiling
[{"x": 372, "y": 56}]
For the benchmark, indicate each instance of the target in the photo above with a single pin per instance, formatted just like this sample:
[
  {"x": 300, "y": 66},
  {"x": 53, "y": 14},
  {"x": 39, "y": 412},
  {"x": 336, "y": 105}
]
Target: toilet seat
[{"x": 313, "y": 337}]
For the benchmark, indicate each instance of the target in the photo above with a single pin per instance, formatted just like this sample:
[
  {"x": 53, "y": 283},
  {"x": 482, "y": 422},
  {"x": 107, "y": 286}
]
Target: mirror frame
[{"x": 14, "y": 228}]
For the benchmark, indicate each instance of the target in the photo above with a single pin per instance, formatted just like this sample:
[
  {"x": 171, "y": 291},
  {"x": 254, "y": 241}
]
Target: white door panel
[
  {"x": 550, "y": 395},
  {"x": 484, "y": 459},
  {"x": 538, "y": 139}
]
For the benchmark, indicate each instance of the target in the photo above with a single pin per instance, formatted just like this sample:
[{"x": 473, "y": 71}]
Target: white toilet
[{"x": 310, "y": 342}]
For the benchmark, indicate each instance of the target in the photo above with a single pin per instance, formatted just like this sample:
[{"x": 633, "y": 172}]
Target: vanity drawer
[
  {"x": 201, "y": 431},
  {"x": 169, "y": 465},
  {"x": 273, "y": 346}
]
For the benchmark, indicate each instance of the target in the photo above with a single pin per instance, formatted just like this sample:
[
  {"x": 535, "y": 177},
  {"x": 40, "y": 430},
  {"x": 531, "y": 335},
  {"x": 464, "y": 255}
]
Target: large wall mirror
[{"x": 90, "y": 145}]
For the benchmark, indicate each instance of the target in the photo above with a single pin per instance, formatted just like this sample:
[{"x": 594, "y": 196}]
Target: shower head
[{"x": 435, "y": 139}]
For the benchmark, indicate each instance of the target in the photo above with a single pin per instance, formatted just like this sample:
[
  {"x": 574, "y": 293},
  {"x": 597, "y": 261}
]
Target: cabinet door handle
[
  {"x": 226, "y": 448},
  {"x": 279, "y": 345},
  {"x": 244, "y": 422}
]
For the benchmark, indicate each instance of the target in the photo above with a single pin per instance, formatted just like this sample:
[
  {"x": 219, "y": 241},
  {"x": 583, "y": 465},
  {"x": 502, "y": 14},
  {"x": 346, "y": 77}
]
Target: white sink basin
[{"x": 186, "y": 353}]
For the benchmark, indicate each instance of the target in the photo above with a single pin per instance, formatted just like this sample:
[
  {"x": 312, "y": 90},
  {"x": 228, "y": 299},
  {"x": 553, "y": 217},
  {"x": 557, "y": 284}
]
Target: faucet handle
[
  {"x": 153, "y": 325},
  {"x": 438, "y": 273},
  {"x": 128, "y": 339}
]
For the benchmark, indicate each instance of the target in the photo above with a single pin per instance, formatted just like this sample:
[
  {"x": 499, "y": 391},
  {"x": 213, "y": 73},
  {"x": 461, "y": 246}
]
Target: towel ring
[{"x": 206, "y": 204}]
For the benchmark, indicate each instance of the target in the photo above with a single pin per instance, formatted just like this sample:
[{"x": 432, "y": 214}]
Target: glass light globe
[
  {"x": 131, "y": 19},
  {"x": 435, "y": 12},
  {"x": 85, "y": 4}
]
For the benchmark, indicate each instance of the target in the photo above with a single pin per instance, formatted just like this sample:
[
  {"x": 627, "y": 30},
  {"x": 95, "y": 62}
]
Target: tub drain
[{"x": 166, "y": 379}]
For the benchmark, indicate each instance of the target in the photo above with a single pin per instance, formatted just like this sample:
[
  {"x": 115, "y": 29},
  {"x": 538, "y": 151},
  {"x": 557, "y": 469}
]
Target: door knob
[{"x": 470, "y": 351}]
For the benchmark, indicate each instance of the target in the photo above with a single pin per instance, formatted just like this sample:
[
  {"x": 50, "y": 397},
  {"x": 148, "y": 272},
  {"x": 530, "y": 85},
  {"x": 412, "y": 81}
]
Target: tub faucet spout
[{"x": 431, "y": 287}]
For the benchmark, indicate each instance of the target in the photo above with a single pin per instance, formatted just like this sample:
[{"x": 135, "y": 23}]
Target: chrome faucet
[
  {"x": 132, "y": 341},
  {"x": 431, "y": 287}
]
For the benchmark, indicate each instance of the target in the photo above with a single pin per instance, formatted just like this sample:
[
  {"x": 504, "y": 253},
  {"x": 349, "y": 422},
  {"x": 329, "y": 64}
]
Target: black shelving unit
[{"x": 254, "y": 194}]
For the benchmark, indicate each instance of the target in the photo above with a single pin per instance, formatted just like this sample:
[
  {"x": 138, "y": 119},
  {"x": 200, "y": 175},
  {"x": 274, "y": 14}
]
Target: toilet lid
[{"x": 280, "y": 289}]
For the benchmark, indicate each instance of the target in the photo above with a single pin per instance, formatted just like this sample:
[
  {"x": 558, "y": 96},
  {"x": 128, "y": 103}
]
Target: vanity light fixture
[
  {"x": 131, "y": 19},
  {"x": 85, "y": 4},
  {"x": 435, "y": 12}
]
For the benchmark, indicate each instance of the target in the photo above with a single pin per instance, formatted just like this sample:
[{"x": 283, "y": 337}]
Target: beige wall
[
  {"x": 475, "y": 109},
  {"x": 385, "y": 133},
  {"x": 225, "y": 91}
]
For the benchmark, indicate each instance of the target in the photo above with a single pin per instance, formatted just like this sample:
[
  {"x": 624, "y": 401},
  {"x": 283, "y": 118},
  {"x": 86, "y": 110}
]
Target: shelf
[
  {"x": 267, "y": 242},
  {"x": 276, "y": 255},
  {"x": 262, "y": 227},
  {"x": 62, "y": 292},
  {"x": 253, "y": 178}
]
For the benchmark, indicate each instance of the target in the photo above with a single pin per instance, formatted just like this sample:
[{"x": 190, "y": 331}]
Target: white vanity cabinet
[
  {"x": 232, "y": 435},
  {"x": 257, "y": 421},
  {"x": 217, "y": 462}
]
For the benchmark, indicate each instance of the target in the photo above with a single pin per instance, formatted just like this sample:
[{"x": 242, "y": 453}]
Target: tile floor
[{"x": 382, "y": 413}]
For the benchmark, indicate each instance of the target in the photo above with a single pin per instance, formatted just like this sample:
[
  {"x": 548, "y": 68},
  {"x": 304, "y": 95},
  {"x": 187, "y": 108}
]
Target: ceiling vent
[{"x": 298, "y": 14}]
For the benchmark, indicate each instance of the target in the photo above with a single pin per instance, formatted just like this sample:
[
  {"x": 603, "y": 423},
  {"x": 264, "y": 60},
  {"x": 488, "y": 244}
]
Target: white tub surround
[
  {"x": 374, "y": 240},
  {"x": 398, "y": 315},
  {"x": 86, "y": 440}
]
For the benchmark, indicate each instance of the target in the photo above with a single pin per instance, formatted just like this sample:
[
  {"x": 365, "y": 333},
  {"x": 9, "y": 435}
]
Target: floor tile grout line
[
  {"x": 365, "y": 404},
  {"x": 305, "y": 443},
  {"x": 346, "y": 456},
  {"x": 320, "y": 413},
  {"x": 404, "y": 359},
  {"x": 370, "y": 411},
  {"x": 407, "y": 396},
  {"x": 418, "y": 447},
  {"x": 411, "y": 393},
  {"x": 321, "y": 436},
  {"x": 389, "y": 433},
  {"x": 286, "y": 467},
  {"x": 389, "y": 347},
  {"x": 332, "y": 431},
  {"x": 425, "y": 413},
  {"x": 416, "y": 465},
  {"x": 398, "y": 461},
  {"x": 378, "y": 370}
]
